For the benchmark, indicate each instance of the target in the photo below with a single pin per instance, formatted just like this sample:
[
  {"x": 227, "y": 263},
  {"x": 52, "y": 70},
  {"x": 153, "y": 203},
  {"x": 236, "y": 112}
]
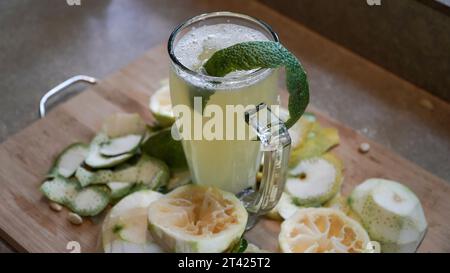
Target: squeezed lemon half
[
  {"x": 323, "y": 230},
  {"x": 196, "y": 218}
]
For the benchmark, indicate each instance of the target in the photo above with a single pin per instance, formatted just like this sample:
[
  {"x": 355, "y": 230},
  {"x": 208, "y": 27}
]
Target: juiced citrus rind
[
  {"x": 125, "y": 227},
  {"x": 220, "y": 220},
  {"x": 284, "y": 209},
  {"x": 314, "y": 181},
  {"x": 338, "y": 202},
  {"x": 122, "y": 124},
  {"x": 318, "y": 141},
  {"x": 322, "y": 230},
  {"x": 299, "y": 131},
  {"x": 252, "y": 248},
  {"x": 391, "y": 213}
]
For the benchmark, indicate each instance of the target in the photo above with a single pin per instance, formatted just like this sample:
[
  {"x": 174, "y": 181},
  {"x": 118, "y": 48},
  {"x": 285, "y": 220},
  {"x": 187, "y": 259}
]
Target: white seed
[
  {"x": 427, "y": 104},
  {"x": 364, "y": 147},
  {"x": 55, "y": 206},
  {"x": 75, "y": 218}
]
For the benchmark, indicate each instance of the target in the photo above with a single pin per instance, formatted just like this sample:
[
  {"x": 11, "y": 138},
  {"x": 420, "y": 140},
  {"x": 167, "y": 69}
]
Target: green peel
[{"x": 265, "y": 54}]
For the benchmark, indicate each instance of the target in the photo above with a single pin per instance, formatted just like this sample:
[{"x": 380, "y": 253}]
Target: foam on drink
[{"x": 199, "y": 44}]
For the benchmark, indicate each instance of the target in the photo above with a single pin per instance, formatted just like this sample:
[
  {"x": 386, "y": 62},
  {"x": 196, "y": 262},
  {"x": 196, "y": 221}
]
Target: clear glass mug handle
[{"x": 275, "y": 148}]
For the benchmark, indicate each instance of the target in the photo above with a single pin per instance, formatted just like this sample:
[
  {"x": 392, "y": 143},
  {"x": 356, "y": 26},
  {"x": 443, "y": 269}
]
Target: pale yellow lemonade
[{"x": 228, "y": 164}]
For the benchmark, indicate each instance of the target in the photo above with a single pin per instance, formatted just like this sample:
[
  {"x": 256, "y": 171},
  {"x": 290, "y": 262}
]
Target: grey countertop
[{"x": 44, "y": 42}]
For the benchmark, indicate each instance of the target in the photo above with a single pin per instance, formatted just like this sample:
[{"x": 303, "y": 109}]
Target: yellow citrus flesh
[
  {"x": 161, "y": 105},
  {"x": 198, "y": 214},
  {"x": 191, "y": 218},
  {"x": 322, "y": 230}
]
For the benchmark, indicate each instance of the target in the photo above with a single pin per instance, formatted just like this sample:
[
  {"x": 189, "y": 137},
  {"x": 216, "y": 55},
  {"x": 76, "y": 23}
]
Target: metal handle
[{"x": 55, "y": 90}]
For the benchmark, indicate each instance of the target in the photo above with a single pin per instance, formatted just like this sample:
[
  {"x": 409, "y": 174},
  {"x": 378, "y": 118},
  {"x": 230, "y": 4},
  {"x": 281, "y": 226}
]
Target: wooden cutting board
[{"x": 29, "y": 225}]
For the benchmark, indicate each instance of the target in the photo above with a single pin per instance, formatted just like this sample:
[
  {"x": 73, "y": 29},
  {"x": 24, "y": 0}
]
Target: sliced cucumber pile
[{"x": 87, "y": 178}]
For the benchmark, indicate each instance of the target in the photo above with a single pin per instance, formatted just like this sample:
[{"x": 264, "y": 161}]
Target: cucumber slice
[
  {"x": 90, "y": 201},
  {"x": 60, "y": 190},
  {"x": 119, "y": 189},
  {"x": 96, "y": 160},
  {"x": 69, "y": 160},
  {"x": 122, "y": 124},
  {"x": 120, "y": 145},
  {"x": 86, "y": 177}
]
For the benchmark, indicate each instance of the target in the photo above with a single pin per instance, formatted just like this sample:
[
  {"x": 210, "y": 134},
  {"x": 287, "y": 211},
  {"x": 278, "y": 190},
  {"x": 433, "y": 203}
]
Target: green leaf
[
  {"x": 240, "y": 246},
  {"x": 265, "y": 54},
  {"x": 162, "y": 146}
]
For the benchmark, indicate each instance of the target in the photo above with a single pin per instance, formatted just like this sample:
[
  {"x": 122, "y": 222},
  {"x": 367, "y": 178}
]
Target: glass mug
[{"x": 232, "y": 165}]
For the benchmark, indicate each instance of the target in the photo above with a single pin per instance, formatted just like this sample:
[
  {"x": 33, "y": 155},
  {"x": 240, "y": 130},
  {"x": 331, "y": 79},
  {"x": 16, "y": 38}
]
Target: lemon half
[
  {"x": 161, "y": 106},
  {"x": 195, "y": 218},
  {"x": 323, "y": 230}
]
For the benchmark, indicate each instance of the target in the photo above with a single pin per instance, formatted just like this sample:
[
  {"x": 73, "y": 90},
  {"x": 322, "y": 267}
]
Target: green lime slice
[{"x": 265, "y": 54}]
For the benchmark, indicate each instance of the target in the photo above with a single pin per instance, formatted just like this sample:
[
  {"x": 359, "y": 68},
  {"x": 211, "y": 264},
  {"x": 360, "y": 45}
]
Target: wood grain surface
[{"x": 29, "y": 225}]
